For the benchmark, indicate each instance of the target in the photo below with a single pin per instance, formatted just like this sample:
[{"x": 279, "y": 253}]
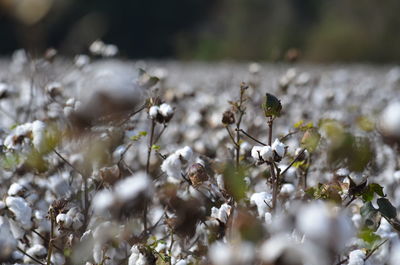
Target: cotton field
[{"x": 108, "y": 162}]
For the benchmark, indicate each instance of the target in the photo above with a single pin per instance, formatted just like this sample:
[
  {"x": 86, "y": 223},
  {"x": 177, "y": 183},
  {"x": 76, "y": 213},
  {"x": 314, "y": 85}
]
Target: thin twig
[
  {"x": 251, "y": 137},
  {"x": 374, "y": 249},
  {"x": 283, "y": 138},
  {"x": 294, "y": 161},
  {"x": 132, "y": 114},
  {"x": 50, "y": 245},
  {"x": 231, "y": 136},
  {"x": 160, "y": 134},
  {"x": 26, "y": 254}
]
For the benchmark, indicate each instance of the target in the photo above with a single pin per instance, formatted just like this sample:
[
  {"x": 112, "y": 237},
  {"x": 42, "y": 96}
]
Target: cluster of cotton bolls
[
  {"x": 267, "y": 153},
  {"x": 145, "y": 172}
]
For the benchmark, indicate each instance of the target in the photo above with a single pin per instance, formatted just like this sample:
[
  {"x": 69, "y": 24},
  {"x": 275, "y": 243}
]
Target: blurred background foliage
[{"x": 314, "y": 30}]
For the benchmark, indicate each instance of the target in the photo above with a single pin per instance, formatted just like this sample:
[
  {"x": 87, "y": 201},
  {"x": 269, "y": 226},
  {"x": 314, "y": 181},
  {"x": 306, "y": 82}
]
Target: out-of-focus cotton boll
[
  {"x": 231, "y": 254},
  {"x": 103, "y": 200},
  {"x": 131, "y": 187},
  {"x": 39, "y": 135},
  {"x": 108, "y": 88},
  {"x": 7, "y": 241},
  {"x": 186, "y": 153},
  {"x": 37, "y": 251},
  {"x": 261, "y": 200},
  {"x": 318, "y": 220},
  {"x": 15, "y": 189},
  {"x": 21, "y": 210},
  {"x": 390, "y": 120},
  {"x": 356, "y": 257},
  {"x": 395, "y": 254}
]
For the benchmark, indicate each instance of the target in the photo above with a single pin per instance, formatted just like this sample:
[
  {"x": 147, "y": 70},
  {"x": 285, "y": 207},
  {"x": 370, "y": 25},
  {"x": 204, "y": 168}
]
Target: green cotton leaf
[
  {"x": 138, "y": 136},
  {"x": 369, "y": 236},
  {"x": 155, "y": 147},
  {"x": 368, "y": 195},
  {"x": 378, "y": 189},
  {"x": 311, "y": 192},
  {"x": 310, "y": 139},
  {"x": 365, "y": 124},
  {"x": 234, "y": 181},
  {"x": 386, "y": 208},
  {"x": 298, "y": 124},
  {"x": 35, "y": 161},
  {"x": 10, "y": 161}
]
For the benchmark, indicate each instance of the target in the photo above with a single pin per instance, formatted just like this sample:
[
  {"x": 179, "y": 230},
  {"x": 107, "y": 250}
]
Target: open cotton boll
[
  {"x": 255, "y": 152},
  {"x": 15, "y": 189},
  {"x": 131, "y": 187},
  {"x": 153, "y": 112},
  {"x": 222, "y": 213},
  {"x": 261, "y": 199},
  {"x": 279, "y": 148},
  {"x": 356, "y": 257},
  {"x": 186, "y": 153},
  {"x": 266, "y": 153},
  {"x": 181, "y": 262},
  {"x": 64, "y": 220},
  {"x": 22, "y": 211},
  {"x": 166, "y": 110},
  {"x": 172, "y": 166},
  {"x": 39, "y": 135},
  {"x": 136, "y": 258},
  {"x": 103, "y": 200}
]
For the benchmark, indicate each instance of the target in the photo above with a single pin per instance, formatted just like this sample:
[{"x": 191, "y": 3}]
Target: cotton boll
[
  {"x": 255, "y": 152},
  {"x": 390, "y": 120},
  {"x": 20, "y": 208},
  {"x": 153, "y": 112},
  {"x": 64, "y": 220},
  {"x": 287, "y": 189},
  {"x": 261, "y": 200},
  {"x": 110, "y": 50},
  {"x": 131, "y": 187},
  {"x": 15, "y": 189},
  {"x": 37, "y": 251},
  {"x": 181, "y": 262},
  {"x": 57, "y": 259},
  {"x": 166, "y": 111},
  {"x": 279, "y": 148},
  {"x": 103, "y": 200},
  {"x": 172, "y": 166},
  {"x": 221, "y": 213},
  {"x": 356, "y": 257},
  {"x": 186, "y": 153},
  {"x": 266, "y": 153},
  {"x": 231, "y": 254},
  {"x": 395, "y": 254},
  {"x": 7, "y": 241},
  {"x": 136, "y": 258},
  {"x": 38, "y": 135}
]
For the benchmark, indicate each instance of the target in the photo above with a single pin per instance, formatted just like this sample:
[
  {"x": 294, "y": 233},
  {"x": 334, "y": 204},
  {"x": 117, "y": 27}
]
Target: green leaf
[
  {"x": 138, "y": 136},
  {"x": 234, "y": 181},
  {"x": 369, "y": 236},
  {"x": 155, "y": 147},
  {"x": 298, "y": 124},
  {"x": 378, "y": 189},
  {"x": 386, "y": 208}
]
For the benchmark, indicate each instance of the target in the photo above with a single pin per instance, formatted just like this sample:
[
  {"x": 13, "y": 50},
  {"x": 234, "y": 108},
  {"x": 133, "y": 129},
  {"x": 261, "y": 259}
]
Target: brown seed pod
[
  {"x": 228, "y": 117},
  {"x": 197, "y": 174}
]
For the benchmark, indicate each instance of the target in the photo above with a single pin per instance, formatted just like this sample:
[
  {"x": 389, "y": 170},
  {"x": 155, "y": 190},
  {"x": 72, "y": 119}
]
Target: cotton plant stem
[
  {"x": 275, "y": 181},
  {"x": 251, "y": 137},
  {"x": 153, "y": 125},
  {"x": 50, "y": 245}
]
